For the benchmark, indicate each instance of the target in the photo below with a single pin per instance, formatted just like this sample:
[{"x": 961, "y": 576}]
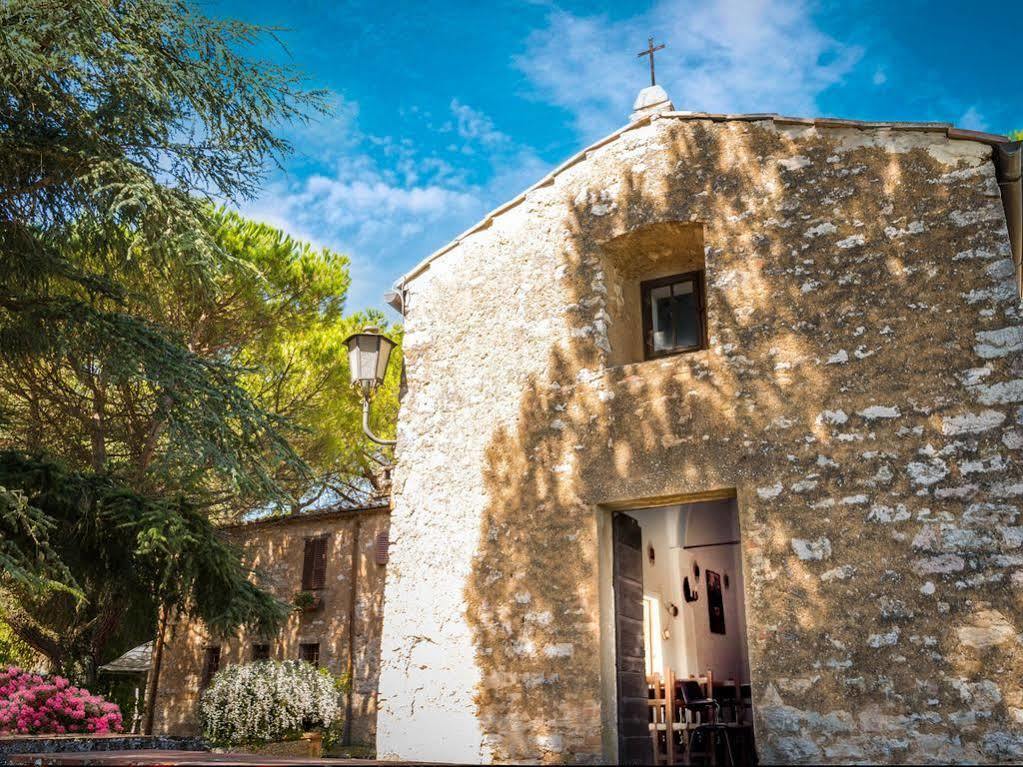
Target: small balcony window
[{"x": 674, "y": 315}]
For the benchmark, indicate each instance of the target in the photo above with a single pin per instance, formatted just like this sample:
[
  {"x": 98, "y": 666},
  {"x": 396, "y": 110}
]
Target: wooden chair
[
  {"x": 698, "y": 718},
  {"x": 662, "y": 705},
  {"x": 729, "y": 695},
  {"x": 680, "y": 728}
]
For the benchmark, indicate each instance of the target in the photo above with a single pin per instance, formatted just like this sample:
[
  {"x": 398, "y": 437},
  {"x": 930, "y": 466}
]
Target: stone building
[
  {"x": 311, "y": 554},
  {"x": 799, "y": 339}
]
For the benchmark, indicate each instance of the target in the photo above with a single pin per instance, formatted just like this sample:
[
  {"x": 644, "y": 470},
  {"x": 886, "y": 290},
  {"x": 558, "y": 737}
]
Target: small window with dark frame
[
  {"x": 314, "y": 564},
  {"x": 309, "y": 651},
  {"x": 210, "y": 664},
  {"x": 674, "y": 315},
  {"x": 260, "y": 651}
]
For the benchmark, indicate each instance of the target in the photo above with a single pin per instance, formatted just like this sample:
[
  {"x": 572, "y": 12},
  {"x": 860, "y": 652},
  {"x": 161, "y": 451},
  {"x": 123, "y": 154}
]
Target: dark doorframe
[{"x": 634, "y": 745}]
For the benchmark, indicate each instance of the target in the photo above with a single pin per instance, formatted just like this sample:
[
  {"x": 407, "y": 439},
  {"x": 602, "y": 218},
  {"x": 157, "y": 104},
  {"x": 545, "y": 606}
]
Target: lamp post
[{"x": 368, "y": 354}]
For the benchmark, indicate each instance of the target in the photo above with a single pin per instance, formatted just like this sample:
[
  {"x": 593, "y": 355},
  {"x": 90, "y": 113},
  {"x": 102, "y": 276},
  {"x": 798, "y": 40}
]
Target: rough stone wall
[
  {"x": 862, "y": 394},
  {"x": 275, "y": 550}
]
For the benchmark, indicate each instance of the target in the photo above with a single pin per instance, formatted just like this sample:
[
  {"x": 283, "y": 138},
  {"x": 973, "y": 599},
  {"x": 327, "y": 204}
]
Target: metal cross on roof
[{"x": 650, "y": 52}]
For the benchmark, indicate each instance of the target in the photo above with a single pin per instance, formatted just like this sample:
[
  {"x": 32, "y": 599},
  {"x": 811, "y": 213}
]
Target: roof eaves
[
  {"x": 318, "y": 516},
  {"x": 1008, "y": 158}
]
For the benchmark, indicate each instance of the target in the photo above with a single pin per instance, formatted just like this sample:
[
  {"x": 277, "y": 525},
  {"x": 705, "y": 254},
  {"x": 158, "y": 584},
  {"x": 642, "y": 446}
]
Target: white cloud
[
  {"x": 880, "y": 76},
  {"x": 473, "y": 125},
  {"x": 385, "y": 202},
  {"x": 721, "y": 56},
  {"x": 972, "y": 119}
]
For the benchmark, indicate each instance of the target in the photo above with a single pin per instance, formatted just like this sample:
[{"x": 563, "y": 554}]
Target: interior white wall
[{"x": 690, "y": 648}]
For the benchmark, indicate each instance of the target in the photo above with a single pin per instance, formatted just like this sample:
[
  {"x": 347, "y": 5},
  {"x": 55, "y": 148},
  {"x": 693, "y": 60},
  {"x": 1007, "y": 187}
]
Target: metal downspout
[{"x": 1007, "y": 158}]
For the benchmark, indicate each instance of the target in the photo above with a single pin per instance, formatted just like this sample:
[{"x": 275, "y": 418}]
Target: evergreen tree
[
  {"x": 121, "y": 121},
  {"x": 273, "y": 313}
]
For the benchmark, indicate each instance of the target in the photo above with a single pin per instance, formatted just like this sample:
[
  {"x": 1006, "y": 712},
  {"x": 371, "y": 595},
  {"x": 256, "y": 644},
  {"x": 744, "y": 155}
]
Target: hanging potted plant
[{"x": 307, "y": 601}]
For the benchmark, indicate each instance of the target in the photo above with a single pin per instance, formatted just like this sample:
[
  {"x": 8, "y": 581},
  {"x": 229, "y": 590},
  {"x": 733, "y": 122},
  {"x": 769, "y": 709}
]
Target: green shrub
[{"x": 269, "y": 701}]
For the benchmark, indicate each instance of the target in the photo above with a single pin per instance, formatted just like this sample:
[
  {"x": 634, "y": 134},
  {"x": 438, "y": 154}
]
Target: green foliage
[
  {"x": 162, "y": 362},
  {"x": 251, "y": 407},
  {"x": 130, "y": 553},
  {"x": 276, "y": 311},
  {"x": 1016, "y": 135},
  {"x": 14, "y": 652},
  {"x": 119, "y": 119},
  {"x": 26, "y": 555}
]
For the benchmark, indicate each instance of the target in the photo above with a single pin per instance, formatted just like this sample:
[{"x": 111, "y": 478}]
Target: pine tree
[{"x": 121, "y": 122}]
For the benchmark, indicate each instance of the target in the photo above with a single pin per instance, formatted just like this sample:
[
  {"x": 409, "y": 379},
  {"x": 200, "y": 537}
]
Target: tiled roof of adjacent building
[
  {"x": 312, "y": 516},
  {"x": 135, "y": 661}
]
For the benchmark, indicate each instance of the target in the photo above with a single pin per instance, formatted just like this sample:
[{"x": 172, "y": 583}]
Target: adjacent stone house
[
  {"x": 337, "y": 559},
  {"x": 805, "y": 334}
]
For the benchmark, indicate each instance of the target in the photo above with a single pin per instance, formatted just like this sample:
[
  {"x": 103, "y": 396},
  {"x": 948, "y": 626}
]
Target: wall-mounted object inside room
[
  {"x": 726, "y": 581},
  {"x": 687, "y": 591},
  {"x": 672, "y": 609},
  {"x": 696, "y": 569},
  {"x": 651, "y": 554},
  {"x": 715, "y": 603}
]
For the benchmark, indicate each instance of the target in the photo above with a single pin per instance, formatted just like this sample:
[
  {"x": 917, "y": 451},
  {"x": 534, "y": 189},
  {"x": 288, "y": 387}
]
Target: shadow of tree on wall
[{"x": 743, "y": 414}]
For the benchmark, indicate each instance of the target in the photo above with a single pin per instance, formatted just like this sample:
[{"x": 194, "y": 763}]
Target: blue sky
[{"x": 445, "y": 110}]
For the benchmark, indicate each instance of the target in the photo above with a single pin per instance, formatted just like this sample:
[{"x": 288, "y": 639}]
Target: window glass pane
[
  {"x": 682, "y": 288},
  {"x": 685, "y": 315},
  {"x": 660, "y": 316}
]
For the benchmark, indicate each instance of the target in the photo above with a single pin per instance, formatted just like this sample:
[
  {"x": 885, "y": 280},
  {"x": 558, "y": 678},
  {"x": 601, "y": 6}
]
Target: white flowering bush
[{"x": 268, "y": 701}]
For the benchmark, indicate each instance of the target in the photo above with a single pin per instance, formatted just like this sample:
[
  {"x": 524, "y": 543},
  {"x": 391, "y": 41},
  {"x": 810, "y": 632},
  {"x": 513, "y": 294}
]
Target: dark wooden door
[{"x": 634, "y": 745}]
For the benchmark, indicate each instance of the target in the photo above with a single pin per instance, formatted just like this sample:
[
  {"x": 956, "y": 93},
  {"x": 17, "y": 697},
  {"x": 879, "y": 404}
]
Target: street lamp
[{"x": 368, "y": 354}]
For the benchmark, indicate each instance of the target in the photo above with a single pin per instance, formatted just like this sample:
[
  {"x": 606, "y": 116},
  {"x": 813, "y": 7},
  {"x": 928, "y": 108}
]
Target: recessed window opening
[
  {"x": 309, "y": 651},
  {"x": 674, "y": 314},
  {"x": 210, "y": 665},
  {"x": 260, "y": 651},
  {"x": 656, "y": 292}
]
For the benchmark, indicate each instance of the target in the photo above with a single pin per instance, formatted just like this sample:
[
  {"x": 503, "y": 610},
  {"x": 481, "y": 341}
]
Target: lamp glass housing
[{"x": 368, "y": 355}]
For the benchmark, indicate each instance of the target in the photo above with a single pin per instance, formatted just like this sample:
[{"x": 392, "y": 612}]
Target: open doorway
[{"x": 682, "y": 666}]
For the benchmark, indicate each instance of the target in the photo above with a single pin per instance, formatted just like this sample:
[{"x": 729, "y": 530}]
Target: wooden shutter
[
  {"x": 381, "y": 549},
  {"x": 634, "y": 745},
  {"x": 314, "y": 564},
  {"x": 307, "y": 565},
  {"x": 320, "y": 564}
]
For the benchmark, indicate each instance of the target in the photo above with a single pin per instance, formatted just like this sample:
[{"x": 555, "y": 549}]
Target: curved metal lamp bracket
[{"x": 365, "y": 426}]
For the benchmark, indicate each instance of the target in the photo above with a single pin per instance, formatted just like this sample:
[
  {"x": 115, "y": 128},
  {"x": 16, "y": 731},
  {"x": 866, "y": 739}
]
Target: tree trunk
[
  {"x": 346, "y": 738},
  {"x": 38, "y": 641},
  {"x": 154, "y": 671}
]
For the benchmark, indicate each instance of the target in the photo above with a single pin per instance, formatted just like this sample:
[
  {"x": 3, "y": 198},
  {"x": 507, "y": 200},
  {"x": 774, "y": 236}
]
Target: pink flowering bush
[{"x": 31, "y": 704}]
